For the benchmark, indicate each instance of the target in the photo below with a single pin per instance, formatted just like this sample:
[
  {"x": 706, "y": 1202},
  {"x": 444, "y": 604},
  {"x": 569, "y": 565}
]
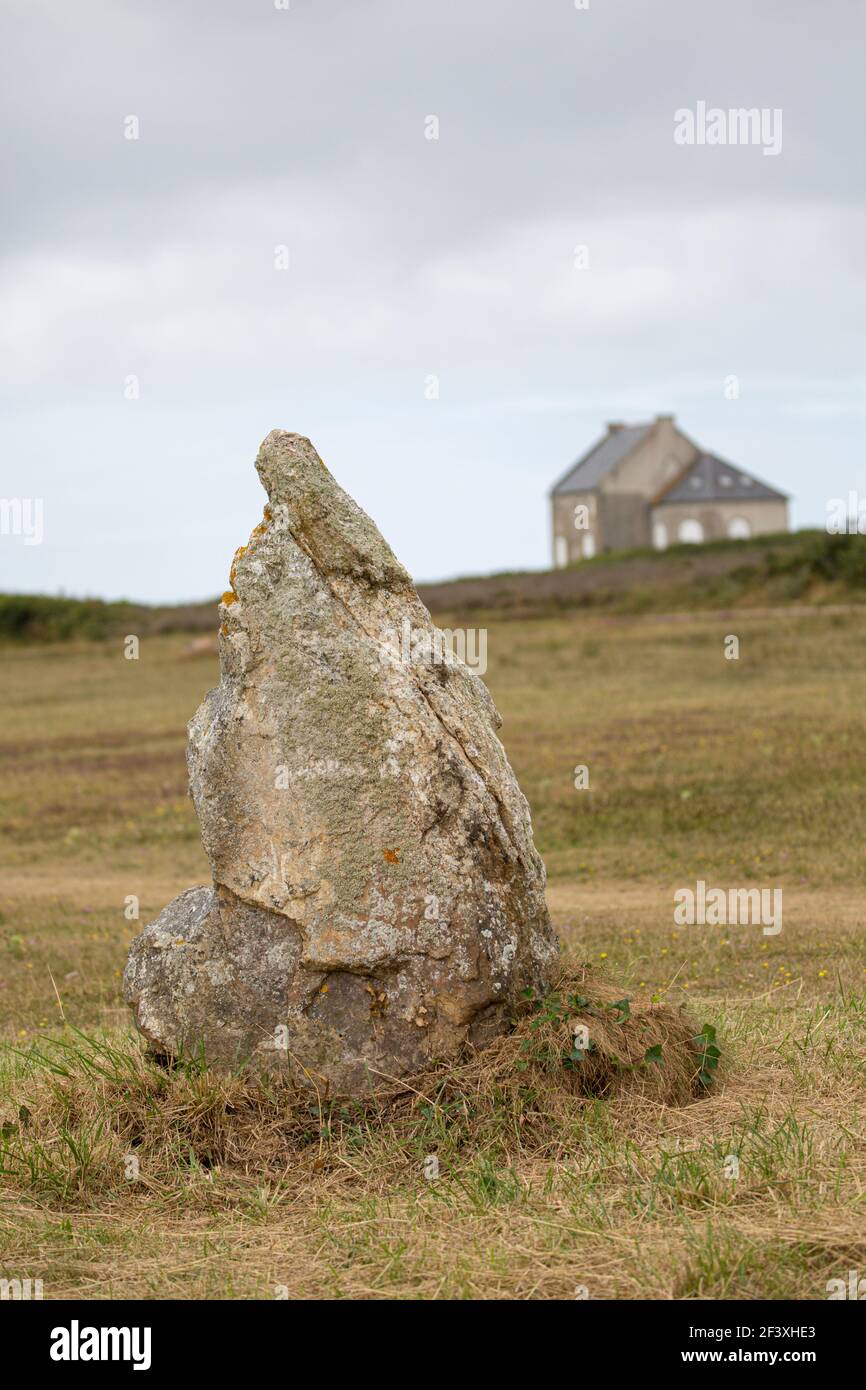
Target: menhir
[{"x": 377, "y": 900}]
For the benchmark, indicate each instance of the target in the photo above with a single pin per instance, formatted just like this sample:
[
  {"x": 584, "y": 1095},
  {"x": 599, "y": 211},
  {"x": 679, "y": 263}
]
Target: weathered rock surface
[{"x": 377, "y": 900}]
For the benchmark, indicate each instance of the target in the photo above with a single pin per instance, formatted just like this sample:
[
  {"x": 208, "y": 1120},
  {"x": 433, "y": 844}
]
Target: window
[
  {"x": 560, "y": 552},
  {"x": 726, "y": 480},
  {"x": 696, "y": 480},
  {"x": 660, "y": 536},
  {"x": 690, "y": 531},
  {"x": 588, "y": 545},
  {"x": 739, "y": 529}
]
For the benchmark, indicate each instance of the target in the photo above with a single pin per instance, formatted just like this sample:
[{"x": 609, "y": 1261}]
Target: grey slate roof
[
  {"x": 711, "y": 479},
  {"x": 606, "y": 454}
]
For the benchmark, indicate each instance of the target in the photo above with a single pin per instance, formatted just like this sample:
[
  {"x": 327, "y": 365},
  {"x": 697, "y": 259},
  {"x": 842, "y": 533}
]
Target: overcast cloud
[{"x": 411, "y": 258}]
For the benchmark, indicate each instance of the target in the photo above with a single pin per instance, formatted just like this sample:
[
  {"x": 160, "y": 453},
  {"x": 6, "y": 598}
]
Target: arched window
[
  {"x": 690, "y": 531},
  {"x": 739, "y": 529},
  {"x": 660, "y": 536},
  {"x": 588, "y": 545},
  {"x": 560, "y": 550}
]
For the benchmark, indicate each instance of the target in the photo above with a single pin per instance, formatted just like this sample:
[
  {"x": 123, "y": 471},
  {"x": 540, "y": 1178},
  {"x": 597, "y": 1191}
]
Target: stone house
[{"x": 651, "y": 485}]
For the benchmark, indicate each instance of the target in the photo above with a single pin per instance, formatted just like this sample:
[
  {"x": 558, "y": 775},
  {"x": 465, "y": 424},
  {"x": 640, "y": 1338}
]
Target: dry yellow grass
[{"x": 613, "y": 1187}]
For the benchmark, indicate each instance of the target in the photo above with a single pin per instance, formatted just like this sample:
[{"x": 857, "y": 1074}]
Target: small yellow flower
[{"x": 603, "y": 955}]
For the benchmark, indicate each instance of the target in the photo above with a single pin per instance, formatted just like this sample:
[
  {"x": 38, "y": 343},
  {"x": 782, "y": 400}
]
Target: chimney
[
  {"x": 664, "y": 419},
  {"x": 614, "y": 425}
]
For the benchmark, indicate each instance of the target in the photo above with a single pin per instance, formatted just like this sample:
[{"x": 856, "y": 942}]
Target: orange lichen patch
[
  {"x": 229, "y": 597},
  {"x": 224, "y": 630},
  {"x": 392, "y": 856},
  {"x": 241, "y": 551},
  {"x": 239, "y": 554},
  {"x": 267, "y": 512}
]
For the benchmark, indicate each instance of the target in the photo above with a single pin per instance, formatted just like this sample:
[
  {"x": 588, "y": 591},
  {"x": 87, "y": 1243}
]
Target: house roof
[
  {"x": 711, "y": 479},
  {"x": 589, "y": 470}
]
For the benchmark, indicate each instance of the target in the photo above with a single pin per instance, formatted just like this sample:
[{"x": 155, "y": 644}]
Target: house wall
[
  {"x": 564, "y": 529},
  {"x": 624, "y": 520},
  {"x": 715, "y": 517},
  {"x": 616, "y": 521}
]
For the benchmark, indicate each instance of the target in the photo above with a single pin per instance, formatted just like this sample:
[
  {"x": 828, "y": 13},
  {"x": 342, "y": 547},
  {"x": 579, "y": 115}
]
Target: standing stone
[{"x": 377, "y": 899}]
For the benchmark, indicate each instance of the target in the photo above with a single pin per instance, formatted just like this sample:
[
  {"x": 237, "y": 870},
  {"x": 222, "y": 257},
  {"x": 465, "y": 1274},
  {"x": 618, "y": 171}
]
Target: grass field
[{"x": 741, "y": 773}]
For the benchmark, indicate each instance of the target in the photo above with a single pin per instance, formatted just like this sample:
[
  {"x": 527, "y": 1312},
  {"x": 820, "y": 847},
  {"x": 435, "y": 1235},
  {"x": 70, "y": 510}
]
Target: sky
[{"x": 360, "y": 220}]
